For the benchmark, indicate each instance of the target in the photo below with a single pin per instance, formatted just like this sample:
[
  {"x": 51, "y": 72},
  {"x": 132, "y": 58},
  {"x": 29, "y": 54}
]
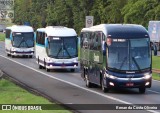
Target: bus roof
[
  {"x": 20, "y": 28},
  {"x": 120, "y": 30},
  {"x": 58, "y": 31}
]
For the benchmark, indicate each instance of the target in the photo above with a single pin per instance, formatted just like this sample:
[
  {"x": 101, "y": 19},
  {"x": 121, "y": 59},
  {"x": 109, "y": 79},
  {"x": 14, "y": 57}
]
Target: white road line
[
  {"x": 157, "y": 81},
  {"x": 154, "y": 91},
  {"x": 100, "y": 94}
]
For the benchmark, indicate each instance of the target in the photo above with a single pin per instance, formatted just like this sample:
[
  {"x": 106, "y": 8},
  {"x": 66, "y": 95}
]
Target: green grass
[
  {"x": 12, "y": 94},
  {"x": 156, "y": 65},
  {"x": 156, "y": 76},
  {"x": 2, "y": 35},
  {"x": 155, "y": 62}
]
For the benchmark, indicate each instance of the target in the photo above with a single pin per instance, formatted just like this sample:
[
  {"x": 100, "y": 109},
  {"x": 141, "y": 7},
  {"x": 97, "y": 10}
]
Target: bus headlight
[
  {"x": 147, "y": 76},
  {"x": 109, "y": 76},
  {"x": 49, "y": 60},
  {"x": 112, "y": 77},
  {"x": 13, "y": 49}
]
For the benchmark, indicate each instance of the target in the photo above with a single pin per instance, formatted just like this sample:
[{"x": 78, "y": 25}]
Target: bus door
[{"x": 96, "y": 57}]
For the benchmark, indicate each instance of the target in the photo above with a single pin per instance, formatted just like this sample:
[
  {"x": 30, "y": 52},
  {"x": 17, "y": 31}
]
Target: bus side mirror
[
  {"x": 11, "y": 36},
  {"x": 104, "y": 48},
  {"x": 34, "y": 36},
  {"x": 104, "y": 52},
  {"x": 46, "y": 42},
  {"x": 155, "y": 49}
]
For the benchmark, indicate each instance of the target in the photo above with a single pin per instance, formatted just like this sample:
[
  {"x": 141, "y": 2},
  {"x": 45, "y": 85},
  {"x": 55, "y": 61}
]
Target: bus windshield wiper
[
  {"x": 67, "y": 51},
  {"x": 20, "y": 43},
  {"x": 136, "y": 63},
  {"x": 26, "y": 43},
  {"x": 124, "y": 60},
  {"x": 58, "y": 52}
]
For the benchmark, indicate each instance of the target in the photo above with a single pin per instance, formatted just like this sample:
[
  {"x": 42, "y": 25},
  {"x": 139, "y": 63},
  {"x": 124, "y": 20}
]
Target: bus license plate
[
  {"x": 129, "y": 84},
  {"x": 63, "y": 65}
]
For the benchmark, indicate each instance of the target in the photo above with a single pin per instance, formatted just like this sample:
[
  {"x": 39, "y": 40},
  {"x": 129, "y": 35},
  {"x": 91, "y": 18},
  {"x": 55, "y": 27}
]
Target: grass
[
  {"x": 156, "y": 65},
  {"x": 155, "y": 62},
  {"x": 156, "y": 76},
  {"x": 2, "y": 35},
  {"x": 12, "y": 94}
]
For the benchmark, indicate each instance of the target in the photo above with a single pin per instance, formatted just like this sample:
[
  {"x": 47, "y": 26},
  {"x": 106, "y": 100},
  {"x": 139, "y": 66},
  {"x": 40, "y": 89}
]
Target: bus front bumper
[
  {"x": 22, "y": 53},
  {"x": 128, "y": 82},
  {"x": 63, "y": 65}
]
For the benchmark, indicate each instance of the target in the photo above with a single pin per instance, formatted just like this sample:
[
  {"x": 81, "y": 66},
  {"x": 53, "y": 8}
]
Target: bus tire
[
  {"x": 7, "y": 54},
  {"x": 142, "y": 90},
  {"x": 72, "y": 70},
  {"x": 88, "y": 83},
  {"x": 40, "y": 67},
  {"x": 48, "y": 70},
  {"x": 30, "y": 56},
  {"x": 104, "y": 89},
  {"x": 12, "y": 56}
]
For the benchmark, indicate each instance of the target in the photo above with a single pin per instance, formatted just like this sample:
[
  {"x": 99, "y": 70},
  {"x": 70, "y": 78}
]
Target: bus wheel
[
  {"x": 40, "y": 67},
  {"x": 30, "y": 56},
  {"x": 48, "y": 70},
  {"x": 104, "y": 89},
  {"x": 142, "y": 90},
  {"x": 72, "y": 70},
  {"x": 88, "y": 84},
  {"x": 12, "y": 56}
]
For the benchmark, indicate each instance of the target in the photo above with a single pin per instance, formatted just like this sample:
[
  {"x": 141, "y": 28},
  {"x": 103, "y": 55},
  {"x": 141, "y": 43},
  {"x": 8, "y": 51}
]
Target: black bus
[{"x": 116, "y": 55}]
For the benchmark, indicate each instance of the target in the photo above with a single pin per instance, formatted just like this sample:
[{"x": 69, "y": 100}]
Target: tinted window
[
  {"x": 85, "y": 36},
  {"x": 8, "y": 33},
  {"x": 95, "y": 41},
  {"x": 40, "y": 39}
]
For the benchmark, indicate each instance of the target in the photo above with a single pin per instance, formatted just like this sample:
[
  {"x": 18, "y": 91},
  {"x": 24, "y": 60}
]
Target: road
[{"x": 66, "y": 87}]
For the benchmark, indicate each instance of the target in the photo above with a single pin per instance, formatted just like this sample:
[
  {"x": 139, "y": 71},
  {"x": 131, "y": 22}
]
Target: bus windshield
[
  {"x": 63, "y": 47},
  {"x": 129, "y": 54},
  {"x": 23, "y": 40}
]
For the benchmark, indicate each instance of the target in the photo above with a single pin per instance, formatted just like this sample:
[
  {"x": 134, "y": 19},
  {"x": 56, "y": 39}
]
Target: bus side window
[
  {"x": 8, "y": 33},
  {"x": 43, "y": 39},
  {"x": 92, "y": 41},
  {"x": 85, "y": 40},
  {"x": 81, "y": 39},
  {"x": 96, "y": 39}
]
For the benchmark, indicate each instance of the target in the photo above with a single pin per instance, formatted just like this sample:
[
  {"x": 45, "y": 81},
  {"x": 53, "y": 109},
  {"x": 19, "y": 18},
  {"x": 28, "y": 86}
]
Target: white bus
[
  {"x": 19, "y": 41},
  {"x": 56, "y": 48}
]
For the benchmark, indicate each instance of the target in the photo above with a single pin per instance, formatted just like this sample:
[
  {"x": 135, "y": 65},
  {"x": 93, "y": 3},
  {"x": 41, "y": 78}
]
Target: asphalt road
[{"x": 67, "y": 87}]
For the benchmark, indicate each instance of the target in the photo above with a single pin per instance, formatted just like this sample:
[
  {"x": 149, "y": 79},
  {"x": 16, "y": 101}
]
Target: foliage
[
  {"x": 2, "y": 36},
  {"x": 12, "y": 94},
  {"x": 71, "y": 13}
]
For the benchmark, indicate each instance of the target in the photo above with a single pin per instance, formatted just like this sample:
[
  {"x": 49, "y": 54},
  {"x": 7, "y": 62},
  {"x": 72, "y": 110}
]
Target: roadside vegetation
[
  {"x": 12, "y": 94},
  {"x": 156, "y": 65},
  {"x": 71, "y": 13},
  {"x": 2, "y": 35},
  {"x": 156, "y": 62}
]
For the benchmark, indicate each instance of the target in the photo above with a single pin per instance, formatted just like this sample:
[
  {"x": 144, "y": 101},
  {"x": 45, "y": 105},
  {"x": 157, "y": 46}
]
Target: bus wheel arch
[
  {"x": 102, "y": 80},
  {"x": 88, "y": 83},
  {"x": 45, "y": 66},
  {"x": 40, "y": 66}
]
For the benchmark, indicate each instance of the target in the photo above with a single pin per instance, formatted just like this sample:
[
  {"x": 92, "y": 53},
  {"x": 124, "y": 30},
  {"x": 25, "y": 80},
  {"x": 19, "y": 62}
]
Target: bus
[
  {"x": 56, "y": 48},
  {"x": 19, "y": 41},
  {"x": 116, "y": 56}
]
